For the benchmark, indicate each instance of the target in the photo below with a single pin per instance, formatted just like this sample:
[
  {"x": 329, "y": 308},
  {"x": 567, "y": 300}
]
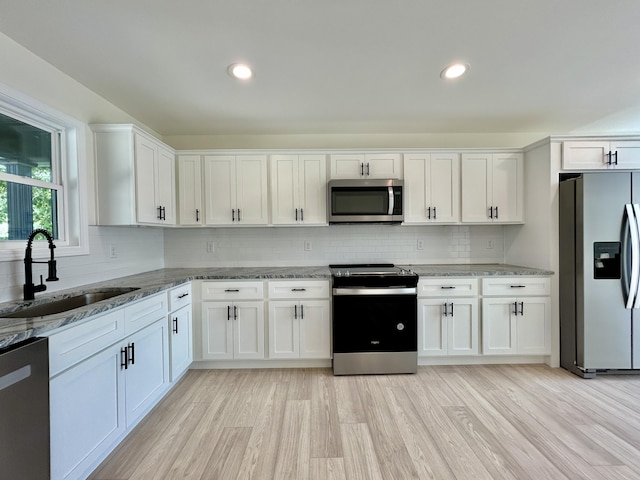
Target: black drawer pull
[
  {"x": 517, "y": 286},
  {"x": 183, "y": 295},
  {"x": 298, "y": 289},
  {"x": 231, "y": 290},
  {"x": 447, "y": 287}
]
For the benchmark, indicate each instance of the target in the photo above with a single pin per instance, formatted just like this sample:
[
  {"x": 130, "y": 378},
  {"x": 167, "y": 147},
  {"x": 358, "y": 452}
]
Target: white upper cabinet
[
  {"x": 370, "y": 165},
  {"x": 492, "y": 188},
  {"x": 190, "y": 190},
  {"x": 298, "y": 189},
  {"x": 235, "y": 190},
  {"x": 135, "y": 177},
  {"x": 599, "y": 155},
  {"x": 431, "y": 188}
]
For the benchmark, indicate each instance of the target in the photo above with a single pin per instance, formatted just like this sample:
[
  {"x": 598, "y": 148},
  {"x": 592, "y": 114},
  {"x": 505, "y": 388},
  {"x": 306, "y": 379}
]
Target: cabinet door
[
  {"x": 533, "y": 326},
  {"x": 312, "y": 181},
  {"x": 476, "y": 194},
  {"x": 166, "y": 185},
  {"x": 498, "y": 326},
  {"x": 219, "y": 189},
  {"x": 432, "y": 327},
  {"x": 383, "y": 165},
  {"x": 248, "y": 330},
  {"x": 180, "y": 342},
  {"x": 251, "y": 190},
  {"x": 628, "y": 153},
  {"x": 284, "y": 189},
  {"x": 347, "y": 166},
  {"x": 462, "y": 328},
  {"x": 190, "y": 189},
  {"x": 217, "y": 330},
  {"x": 415, "y": 196},
  {"x": 146, "y": 153},
  {"x": 148, "y": 372},
  {"x": 507, "y": 187},
  {"x": 315, "y": 329},
  {"x": 585, "y": 155},
  {"x": 284, "y": 329},
  {"x": 443, "y": 188},
  {"x": 87, "y": 405}
]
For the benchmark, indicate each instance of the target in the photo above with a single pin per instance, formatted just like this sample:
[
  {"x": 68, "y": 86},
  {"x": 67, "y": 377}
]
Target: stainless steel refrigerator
[{"x": 600, "y": 273}]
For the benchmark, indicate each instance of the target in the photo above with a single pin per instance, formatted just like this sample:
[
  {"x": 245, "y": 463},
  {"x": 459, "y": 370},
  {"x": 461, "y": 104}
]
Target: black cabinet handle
[
  {"x": 233, "y": 214},
  {"x": 239, "y": 215},
  {"x": 302, "y": 312},
  {"x": 496, "y": 213},
  {"x": 298, "y": 289},
  {"x": 175, "y": 324},
  {"x": 521, "y": 308},
  {"x": 296, "y": 214},
  {"x": 124, "y": 358},
  {"x": 447, "y": 287},
  {"x": 159, "y": 213},
  {"x": 446, "y": 311},
  {"x": 429, "y": 213},
  {"x": 228, "y": 312},
  {"x": 362, "y": 169},
  {"x": 235, "y": 312},
  {"x": 132, "y": 350},
  {"x": 183, "y": 295},
  {"x": 197, "y": 215},
  {"x": 515, "y": 308},
  {"x": 517, "y": 286},
  {"x": 615, "y": 154},
  {"x": 435, "y": 215},
  {"x": 368, "y": 171},
  {"x": 452, "y": 309},
  {"x": 227, "y": 290},
  {"x": 295, "y": 312},
  {"x": 490, "y": 212},
  {"x": 302, "y": 214}
]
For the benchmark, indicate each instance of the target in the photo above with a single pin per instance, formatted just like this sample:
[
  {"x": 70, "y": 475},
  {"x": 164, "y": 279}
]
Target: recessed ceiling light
[
  {"x": 241, "y": 71},
  {"x": 454, "y": 70}
]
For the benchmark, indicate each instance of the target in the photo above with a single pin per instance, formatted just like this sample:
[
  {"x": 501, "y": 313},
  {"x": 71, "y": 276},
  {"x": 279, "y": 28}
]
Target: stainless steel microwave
[{"x": 365, "y": 201}]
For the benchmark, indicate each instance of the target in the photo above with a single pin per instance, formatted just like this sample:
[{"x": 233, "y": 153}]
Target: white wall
[
  {"x": 137, "y": 250},
  {"x": 333, "y": 244}
]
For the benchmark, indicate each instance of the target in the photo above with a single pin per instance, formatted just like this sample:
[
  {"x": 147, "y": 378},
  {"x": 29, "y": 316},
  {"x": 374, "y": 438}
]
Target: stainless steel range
[{"x": 374, "y": 319}]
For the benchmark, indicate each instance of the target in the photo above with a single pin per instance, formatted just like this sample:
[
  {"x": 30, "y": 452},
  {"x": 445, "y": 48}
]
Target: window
[{"x": 40, "y": 176}]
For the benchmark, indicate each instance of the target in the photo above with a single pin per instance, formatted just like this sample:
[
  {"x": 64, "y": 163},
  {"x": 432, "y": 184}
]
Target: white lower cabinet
[
  {"x": 180, "y": 331},
  {"x": 448, "y": 326},
  {"x": 299, "y": 329},
  {"x": 97, "y": 400},
  {"x": 448, "y": 322},
  {"x": 109, "y": 371},
  {"x": 299, "y": 319},
  {"x": 516, "y": 325},
  {"x": 233, "y": 330}
]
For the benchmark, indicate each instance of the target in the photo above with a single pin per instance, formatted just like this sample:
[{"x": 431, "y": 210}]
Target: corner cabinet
[
  {"x": 236, "y": 190},
  {"x": 431, "y": 188},
  {"x": 492, "y": 188},
  {"x": 600, "y": 155},
  {"x": 366, "y": 165},
  {"x": 135, "y": 177},
  {"x": 298, "y": 189},
  {"x": 516, "y": 316}
]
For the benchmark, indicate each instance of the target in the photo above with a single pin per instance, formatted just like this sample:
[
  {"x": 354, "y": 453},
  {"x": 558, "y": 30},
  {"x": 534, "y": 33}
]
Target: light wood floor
[{"x": 467, "y": 422}]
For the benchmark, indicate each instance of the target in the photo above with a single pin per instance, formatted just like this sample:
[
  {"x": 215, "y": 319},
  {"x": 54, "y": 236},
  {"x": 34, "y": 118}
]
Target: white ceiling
[{"x": 346, "y": 66}]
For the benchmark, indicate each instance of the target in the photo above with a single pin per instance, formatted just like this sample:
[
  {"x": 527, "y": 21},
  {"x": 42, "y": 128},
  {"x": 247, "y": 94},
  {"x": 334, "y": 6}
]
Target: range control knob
[{"x": 400, "y": 326}]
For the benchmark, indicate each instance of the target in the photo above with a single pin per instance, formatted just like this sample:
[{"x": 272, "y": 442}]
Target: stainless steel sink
[{"x": 67, "y": 304}]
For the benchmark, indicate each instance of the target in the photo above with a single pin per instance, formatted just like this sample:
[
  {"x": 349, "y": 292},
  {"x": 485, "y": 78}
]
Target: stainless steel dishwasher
[{"x": 24, "y": 410}]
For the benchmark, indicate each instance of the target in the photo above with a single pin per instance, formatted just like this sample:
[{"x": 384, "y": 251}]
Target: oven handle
[{"x": 375, "y": 291}]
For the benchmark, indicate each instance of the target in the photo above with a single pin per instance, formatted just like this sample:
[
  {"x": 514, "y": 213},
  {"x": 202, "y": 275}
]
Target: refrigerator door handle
[
  {"x": 632, "y": 222},
  {"x": 635, "y": 255}
]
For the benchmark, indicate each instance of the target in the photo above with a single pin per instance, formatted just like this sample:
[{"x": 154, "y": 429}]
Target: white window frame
[{"x": 68, "y": 175}]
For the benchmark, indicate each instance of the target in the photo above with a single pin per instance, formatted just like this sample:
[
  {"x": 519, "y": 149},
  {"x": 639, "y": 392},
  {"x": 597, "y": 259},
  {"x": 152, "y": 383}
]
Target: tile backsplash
[{"x": 290, "y": 246}]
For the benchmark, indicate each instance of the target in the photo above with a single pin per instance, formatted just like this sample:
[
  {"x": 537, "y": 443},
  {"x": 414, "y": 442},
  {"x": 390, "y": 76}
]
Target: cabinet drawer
[
  {"x": 145, "y": 312},
  {"x": 291, "y": 289},
  {"x": 232, "y": 290},
  {"x": 179, "y": 297},
  {"x": 448, "y": 287},
  {"x": 516, "y": 286},
  {"x": 84, "y": 340}
]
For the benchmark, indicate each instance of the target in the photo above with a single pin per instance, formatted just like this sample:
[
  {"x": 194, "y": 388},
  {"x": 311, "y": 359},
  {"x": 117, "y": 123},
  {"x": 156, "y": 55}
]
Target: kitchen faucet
[{"x": 29, "y": 288}]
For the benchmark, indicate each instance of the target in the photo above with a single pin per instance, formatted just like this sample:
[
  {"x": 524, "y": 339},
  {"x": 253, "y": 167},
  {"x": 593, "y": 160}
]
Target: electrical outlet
[
  {"x": 420, "y": 244},
  {"x": 113, "y": 251},
  {"x": 307, "y": 245},
  {"x": 489, "y": 244},
  {"x": 211, "y": 246}
]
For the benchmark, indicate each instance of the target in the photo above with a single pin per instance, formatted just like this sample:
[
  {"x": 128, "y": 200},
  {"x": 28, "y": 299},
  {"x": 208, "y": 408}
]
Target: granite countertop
[{"x": 14, "y": 330}]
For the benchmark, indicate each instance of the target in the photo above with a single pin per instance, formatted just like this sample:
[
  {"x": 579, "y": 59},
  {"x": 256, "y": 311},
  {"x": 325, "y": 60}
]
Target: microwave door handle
[{"x": 391, "y": 201}]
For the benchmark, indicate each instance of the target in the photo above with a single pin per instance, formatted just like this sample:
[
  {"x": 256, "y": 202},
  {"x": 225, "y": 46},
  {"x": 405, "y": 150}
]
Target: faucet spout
[{"x": 29, "y": 288}]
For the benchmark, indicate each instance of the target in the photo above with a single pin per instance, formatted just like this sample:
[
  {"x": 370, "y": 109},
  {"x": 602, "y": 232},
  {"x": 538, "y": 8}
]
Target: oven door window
[{"x": 385, "y": 323}]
